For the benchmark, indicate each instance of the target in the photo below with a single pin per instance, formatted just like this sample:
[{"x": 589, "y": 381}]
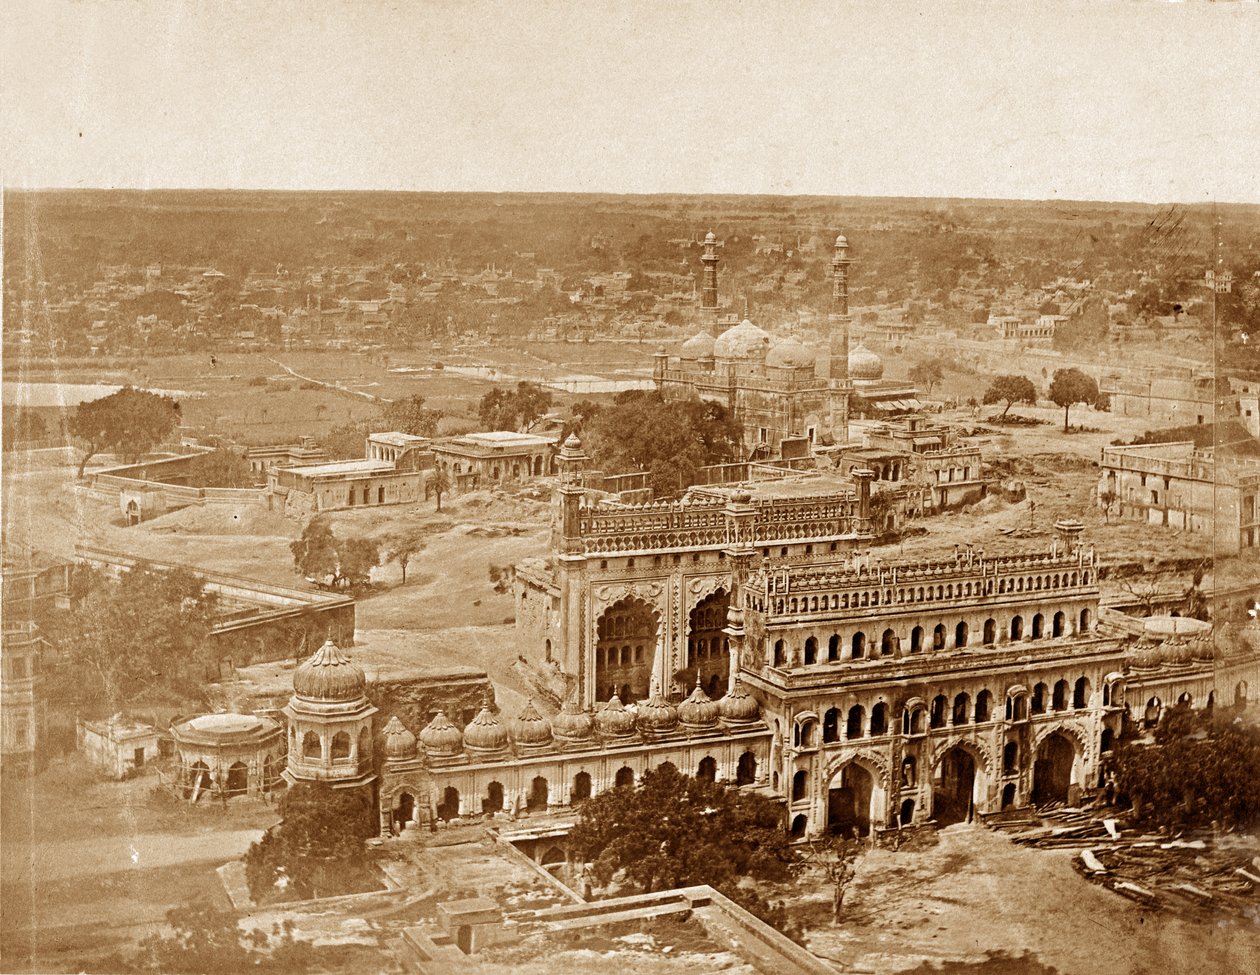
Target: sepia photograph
[{"x": 641, "y": 486}]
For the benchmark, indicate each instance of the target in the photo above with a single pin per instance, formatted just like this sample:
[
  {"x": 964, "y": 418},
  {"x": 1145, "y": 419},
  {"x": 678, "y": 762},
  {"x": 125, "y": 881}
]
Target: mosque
[{"x": 779, "y": 389}]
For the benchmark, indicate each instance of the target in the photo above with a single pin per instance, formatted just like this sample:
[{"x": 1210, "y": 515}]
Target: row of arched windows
[
  {"x": 1063, "y": 697},
  {"x": 338, "y": 747},
  {"x": 941, "y": 638},
  {"x": 888, "y": 596},
  {"x": 624, "y": 656}
]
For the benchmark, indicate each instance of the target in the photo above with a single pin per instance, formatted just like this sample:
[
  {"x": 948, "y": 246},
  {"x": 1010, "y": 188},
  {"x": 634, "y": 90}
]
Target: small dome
[
  {"x": 571, "y": 442},
  {"x": 698, "y": 711},
  {"x": 400, "y": 744},
  {"x": 531, "y": 728},
  {"x": 573, "y": 723},
  {"x": 742, "y": 341},
  {"x": 656, "y": 714},
  {"x": 613, "y": 719},
  {"x": 790, "y": 354},
  {"x": 1145, "y": 654},
  {"x": 709, "y": 238},
  {"x": 485, "y": 732},
  {"x": 440, "y": 737},
  {"x": 842, "y": 241},
  {"x": 738, "y": 706},
  {"x": 1202, "y": 647},
  {"x": 699, "y": 346},
  {"x": 329, "y": 676},
  {"x": 1176, "y": 650},
  {"x": 865, "y": 364}
]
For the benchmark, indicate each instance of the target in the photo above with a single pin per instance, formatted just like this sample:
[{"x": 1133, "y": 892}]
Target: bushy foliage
[
  {"x": 1010, "y": 390},
  {"x": 321, "y": 555},
  {"x": 130, "y": 421},
  {"x": 1201, "y": 770},
  {"x": 513, "y": 409},
  {"x": 222, "y": 467},
  {"x": 143, "y": 637},
  {"x": 672, "y": 830},
  {"x": 410, "y": 415},
  {"x": 203, "y": 939},
  {"x": 1069, "y": 387},
  {"x": 670, "y": 438}
]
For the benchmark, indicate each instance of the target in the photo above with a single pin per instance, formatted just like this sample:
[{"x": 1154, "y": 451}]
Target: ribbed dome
[
  {"x": 573, "y": 723},
  {"x": 531, "y": 728},
  {"x": 743, "y": 341},
  {"x": 485, "y": 732},
  {"x": 699, "y": 346},
  {"x": 710, "y": 237},
  {"x": 572, "y": 442},
  {"x": 440, "y": 737},
  {"x": 1202, "y": 647},
  {"x": 400, "y": 744},
  {"x": 865, "y": 364},
  {"x": 613, "y": 719},
  {"x": 790, "y": 354},
  {"x": 698, "y": 711},
  {"x": 1145, "y": 655},
  {"x": 656, "y": 714},
  {"x": 329, "y": 676},
  {"x": 738, "y": 706},
  {"x": 1175, "y": 650}
]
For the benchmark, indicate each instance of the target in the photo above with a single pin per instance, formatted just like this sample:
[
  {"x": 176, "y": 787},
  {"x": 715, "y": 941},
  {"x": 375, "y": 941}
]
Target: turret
[
  {"x": 839, "y": 316},
  {"x": 708, "y": 291}
]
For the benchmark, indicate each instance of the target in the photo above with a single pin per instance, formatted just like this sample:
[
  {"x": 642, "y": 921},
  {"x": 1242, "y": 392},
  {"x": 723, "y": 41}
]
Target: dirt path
[{"x": 977, "y": 895}]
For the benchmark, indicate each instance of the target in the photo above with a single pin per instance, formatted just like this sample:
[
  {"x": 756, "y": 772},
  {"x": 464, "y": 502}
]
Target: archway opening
[
  {"x": 888, "y": 643},
  {"x": 879, "y": 719},
  {"x": 1060, "y": 697},
  {"x": 953, "y": 787},
  {"x": 853, "y": 725},
  {"x": 198, "y": 781},
  {"x": 624, "y": 777},
  {"x": 1052, "y": 771},
  {"x": 990, "y": 632},
  {"x": 1008, "y": 795},
  {"x": 905, "y": 815},
  {"x": 799, "y": 783},
  {"x": 581, "y": 786},
  {"x": 624, "y": 636},
  {"x": 310, "y": 745},
  {"x": 492, "y": 801},
  {"x": 707, "y": 769},
  {"x": 798, "y": 827},
  {"x": 849, "y": 801},
  {"x": 746, "y": 770},
  {"x": 537, "y": 799},
  {"x": 404, "y": 810},
  {"x": 237, "y": 779},
  {"x": 706, "y": 643},
  {"x": 448, "y": 808},
  {"x": 831, "y": 725}
]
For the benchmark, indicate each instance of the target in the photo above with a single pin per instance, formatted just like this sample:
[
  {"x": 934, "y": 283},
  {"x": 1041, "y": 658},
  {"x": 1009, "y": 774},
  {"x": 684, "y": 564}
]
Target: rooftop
[
  {"x": 341, "y": 468},
  {"x": 394, "y": 438}
]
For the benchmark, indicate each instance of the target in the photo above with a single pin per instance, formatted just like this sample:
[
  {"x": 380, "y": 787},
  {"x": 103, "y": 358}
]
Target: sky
[{"x": 1134, "y": 100}]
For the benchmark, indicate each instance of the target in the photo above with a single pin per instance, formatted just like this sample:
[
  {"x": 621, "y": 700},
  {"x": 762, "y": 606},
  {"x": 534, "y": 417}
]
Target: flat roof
[
  {"x": 342, "y": 467},
  {"x": 394, "y": 438},
  {"x": 501, "y": 438}
]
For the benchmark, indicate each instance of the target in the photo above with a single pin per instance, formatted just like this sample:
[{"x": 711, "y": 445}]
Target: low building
[
  {"x": 1177, "y": 485},
  {"x": 21, "y": 704},
  {"x": 1172, "y": 400},
  {"x": 228, "y": 755},
  {"x": 479, "y": 460},
  {"x": 117, "y": 745},
  {"x": 262, "y": 459},
  {"x": 394, "y": 471}
]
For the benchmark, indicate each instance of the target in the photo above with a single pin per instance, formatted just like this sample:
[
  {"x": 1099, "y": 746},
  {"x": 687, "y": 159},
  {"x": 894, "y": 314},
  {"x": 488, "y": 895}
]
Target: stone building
[
  {"x": 117, "y": 745},
  {"x": 483, "y": 460},
  {"x": 228, "y": 755},
  {"x": 23, "y": 712}
]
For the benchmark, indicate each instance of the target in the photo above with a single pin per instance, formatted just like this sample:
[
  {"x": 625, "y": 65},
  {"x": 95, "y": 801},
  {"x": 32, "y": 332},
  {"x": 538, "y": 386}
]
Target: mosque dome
[
  {"x": 329, "y": 676},
  {"x": 531, "y": 729},
  {"x": 865, "y": 364},
  {"x": 738, "y": 706},
  {"x": 1176, "y": 650},
  {"x": 614, "y": 720},
  {"x": 656, "y": 714},
  {"x": 400, "y": 744},
  {"x": 699, "y": 346},
  {"x": 842, "y": 241},
  {"x": 485, "y": 733},
  {"x": 790, "y": 354},
  {"x": 1146, "y": 654},
  {"x": 698, "y": 711},
  {"x": 710, "y": 237},
  {"x": 571, "y": 442},
  {"x": 1202, "y": 647},
  {"x": 742, "y": 341},
  {"x": 440, "y": 737},
  {"x": 573, "y": 723}
]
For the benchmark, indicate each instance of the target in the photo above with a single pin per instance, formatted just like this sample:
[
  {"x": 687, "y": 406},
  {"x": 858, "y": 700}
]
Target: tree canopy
[
  {"x": 320, "y": 555},
  {"x": 130, "y": 422},
  {"x": 1010, "y": 390},
  {"x": 1069, "y": 387},
  {"x": 410, "y": 415},
  {"x": 320, "y": 835},
  {"x": 222, "y": 467},
  {"x": 143, "y": 637},
  {"x": 513, "y": 409},
  {"x": 926, "y": 374},
  {"x": 669, "y": 438}
]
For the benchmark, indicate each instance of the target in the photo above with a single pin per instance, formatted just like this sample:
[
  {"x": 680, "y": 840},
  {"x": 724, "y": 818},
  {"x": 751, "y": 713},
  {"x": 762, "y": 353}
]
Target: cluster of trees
[
  {"x": 671, "y": 439},
  {"x": 335, "y": 562},
  {"x": 222, "y": 467},
  {"x": 317, "y": 848},
  {"x": 1201, "y": 770},
  {"x": 513, "y": 409},
  {"x": 143, "y": 637},
  {"x": 129, "y": 422},
  {"x": 1068, "y": 387}
]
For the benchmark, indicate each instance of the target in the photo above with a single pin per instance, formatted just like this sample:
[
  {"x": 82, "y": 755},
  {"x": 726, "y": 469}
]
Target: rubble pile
[{"x": 1200, "y": 873}]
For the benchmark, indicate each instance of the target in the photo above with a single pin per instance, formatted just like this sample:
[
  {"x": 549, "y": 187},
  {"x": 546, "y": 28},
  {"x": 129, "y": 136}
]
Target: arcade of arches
[
  {"x": 625, "y": 643},
  {"x": 708, "y": 649}
]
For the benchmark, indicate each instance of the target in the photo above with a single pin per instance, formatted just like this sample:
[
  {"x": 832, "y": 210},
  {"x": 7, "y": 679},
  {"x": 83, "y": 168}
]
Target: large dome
[
  {"x": 865, "y": 364},
  {"x": 790, "y": 354},
  {"x": 743, "y": 341},
  {"x": 440, "y": 737},
  {"x": 329, "y": 676},
  {"x": 699, "y": 346},
  {"x": 531, "y": 729}
]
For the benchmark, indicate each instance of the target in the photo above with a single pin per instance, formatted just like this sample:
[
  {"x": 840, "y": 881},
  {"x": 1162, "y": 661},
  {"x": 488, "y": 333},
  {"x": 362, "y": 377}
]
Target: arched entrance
[
  {"x": 954, "y": 787},
  {"x": 624, "y": 778},
  {"x": 198, "y": 781},
  {"x": 707, "y": 770},
  {"x": 849, "y": 801},
  {"x": 237, "y": 779},
  {"x": 625, "y": 641},
  {"x": 448, "y": 808},
  {"x": 707, "y": 655},
  {"x": 133, "y": 513},
  {"x": 537, "y": 801},
  {"x": 492, "y": 801},
  {"x": 581, "y": 786},
  {"x": 404, "y": 810},
  {"x": 1052, "y": 771}
]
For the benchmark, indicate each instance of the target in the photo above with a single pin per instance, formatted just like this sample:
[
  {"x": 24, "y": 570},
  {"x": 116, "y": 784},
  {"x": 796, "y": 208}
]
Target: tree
[
  {"x": 1107, "y": 497},
  {"x": 441, "y": 483},
  {"x": 130, "y": 421},
  {"x": 222, "y": 467},
  {"x": 322, "y": 556},
  {"x": 927, "y": 374},
  {"x": 1010, "y": 390},
  {"x": 356, "y": 557},
  {"x": 668, "y": 438},
  {"x": 838, "y": 858},
  {"x": 410, "y": 415},
  {"x": 346, "y": 440},
  {"x": 142, "y": 637},
  {"x": 515, "y": 409},
  {"x": 1069, "y": 387},
  {"x": 672, "y": 830},
  {"x": 315, "y": 848},
  {"x": 203, "y": 939},
  {"x": 402, "y": 548}
]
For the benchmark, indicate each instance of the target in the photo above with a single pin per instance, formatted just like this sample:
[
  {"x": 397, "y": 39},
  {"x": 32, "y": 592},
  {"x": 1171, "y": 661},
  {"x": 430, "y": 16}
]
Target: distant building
[
  {"x": 22, "y": 713},
  {"x": 1172, "y": 400},
  {"x": 262, "y": 459},
  {"x": 393, "y": 471},
  {"x": 480, "y": 460},
  {"x": 228, "y": 755},
  {"x": 117, "y": 745}
]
